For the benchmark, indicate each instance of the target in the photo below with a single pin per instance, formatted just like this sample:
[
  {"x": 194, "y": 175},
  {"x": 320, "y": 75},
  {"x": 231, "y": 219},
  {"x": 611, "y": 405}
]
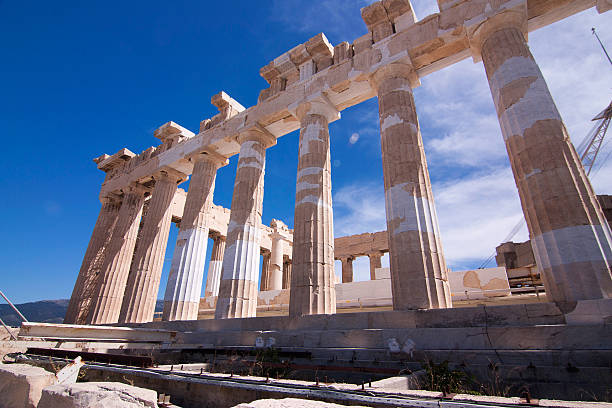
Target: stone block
[
  {"x": 588, "y": 312},
  {"x": 362, "y": 43},
  {"x": 21, "y": 385},
  {"x": 97, "y": 395}
]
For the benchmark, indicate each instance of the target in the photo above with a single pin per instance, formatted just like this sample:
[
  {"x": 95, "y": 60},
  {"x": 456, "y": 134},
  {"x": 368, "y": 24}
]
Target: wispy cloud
[
  {"x": 359, "y": 207},
  {"x": 340, "y": 20}
]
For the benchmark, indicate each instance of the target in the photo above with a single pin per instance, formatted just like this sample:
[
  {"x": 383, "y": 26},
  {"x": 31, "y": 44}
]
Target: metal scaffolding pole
[{"x": 13, "y": 306}]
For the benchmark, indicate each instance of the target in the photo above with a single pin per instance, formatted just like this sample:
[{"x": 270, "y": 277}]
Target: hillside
[{"x": 43, "y": 311}]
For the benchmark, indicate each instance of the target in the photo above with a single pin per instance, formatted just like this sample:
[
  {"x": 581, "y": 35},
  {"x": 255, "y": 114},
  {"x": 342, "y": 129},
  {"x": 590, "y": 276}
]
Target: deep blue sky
[{"x": 79, "y": 79}]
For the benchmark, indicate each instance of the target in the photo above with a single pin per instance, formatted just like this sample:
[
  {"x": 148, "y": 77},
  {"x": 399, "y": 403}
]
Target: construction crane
[{"x": 591, "y": 145}]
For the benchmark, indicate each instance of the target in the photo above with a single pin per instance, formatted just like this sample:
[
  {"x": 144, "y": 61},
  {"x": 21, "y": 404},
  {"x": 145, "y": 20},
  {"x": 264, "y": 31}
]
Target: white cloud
[
  {"x": 476, "y": 214},
  {"x": 359, "y": 207},
  {"x": 354, "y": 138}
]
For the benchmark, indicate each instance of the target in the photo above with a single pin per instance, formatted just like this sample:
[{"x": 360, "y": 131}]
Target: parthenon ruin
[{"x": 309, "y": 86}]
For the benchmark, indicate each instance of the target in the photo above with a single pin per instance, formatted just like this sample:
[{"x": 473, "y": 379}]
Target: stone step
[
  {"x": 555, "y": 337},
  {"x": 477, "y": 316}
]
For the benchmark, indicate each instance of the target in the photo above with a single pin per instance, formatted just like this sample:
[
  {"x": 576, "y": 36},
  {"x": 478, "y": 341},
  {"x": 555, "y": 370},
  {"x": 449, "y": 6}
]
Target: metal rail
[{"x": 369, "y": 397}]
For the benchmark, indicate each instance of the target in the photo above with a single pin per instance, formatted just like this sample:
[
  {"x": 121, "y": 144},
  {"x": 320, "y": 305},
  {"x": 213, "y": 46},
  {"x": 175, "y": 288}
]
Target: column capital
[
  {"x": 256, "y": 133},
  {"x": 316, "y": 104},
  {"x": 479, "y": 32},
  {"x": 215, "y": 158},
  {"x": 346, "y": 258},
  {"x": 215, "y": 235},
  {"x": 170, "y": 174},
  {"x": 395, "y": 70},
  {"x": 375, "y": 253},
  {"x": 135, "y": 188},
  {"x": 110, "y": 198}
]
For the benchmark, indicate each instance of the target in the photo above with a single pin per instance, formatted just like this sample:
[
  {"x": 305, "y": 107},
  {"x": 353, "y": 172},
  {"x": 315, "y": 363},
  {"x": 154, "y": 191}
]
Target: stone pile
[{"x": 26, "y": 386}]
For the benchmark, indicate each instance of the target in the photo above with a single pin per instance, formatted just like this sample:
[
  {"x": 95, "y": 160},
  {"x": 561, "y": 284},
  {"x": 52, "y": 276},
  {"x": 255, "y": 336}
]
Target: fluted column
[
  {"x": 287, "y": 274},
  {"x": 418, "y": 269},
  {"x": 92, "y": 262},
  {"x": 276, "y": 263},
  {"x": 182, "y": 298},
  {"x": 265, "y": 271},
  {"x": 375, "y": 263},
  {"x": 213, "y": 278},
  {"x": 347, "y": 268},
  {"x": 312, "y": 279},
  {"x": 108, "y": 295},
  {"x": 569, "y": 235},
  {"x": 240, "y": 275},
  {"x": 144, "y": 278}
]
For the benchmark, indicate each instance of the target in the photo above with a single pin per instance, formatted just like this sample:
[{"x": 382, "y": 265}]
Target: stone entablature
[{"x": 431, "y": 44}]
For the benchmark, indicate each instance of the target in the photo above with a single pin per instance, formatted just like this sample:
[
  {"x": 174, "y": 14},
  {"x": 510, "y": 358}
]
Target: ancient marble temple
[{"x": 309, "y": 86}]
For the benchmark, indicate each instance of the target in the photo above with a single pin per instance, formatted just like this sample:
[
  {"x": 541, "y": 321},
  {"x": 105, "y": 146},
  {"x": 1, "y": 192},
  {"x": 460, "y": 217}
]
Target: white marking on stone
[
  {"x": 248, "y": 151},
  {"x": 303, "y": 185},
  {"x": 580, "y": 243},
  {"x": 241, "y": 258},
  {"x": 391, "y": 120},
  {"x": 187, "y": 268},
  {"x": 409, "y": 347},
  {"x": 256, "y": 165},
  {"x": 259, "y": 342},
  {"x": 512, "y": 69},
  {"x": 214, "y": 268},
  {"x": 413, "y": 213},
  {"x": 393, "y": 345},
  {"x": 311, "y": 134},
  {"x": 532, "y": 172},
  {"x": 309, "y": 171},
  {"x": 312, "y": 199},
  {"x": 535, "y": 105},
  {"x": 405, "y": 88}
]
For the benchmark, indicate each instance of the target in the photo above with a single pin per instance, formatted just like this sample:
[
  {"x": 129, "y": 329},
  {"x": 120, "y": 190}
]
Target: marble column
[
  {"x": 375, "y": 263},
  {"x": 107, "y": 298},
  {"x": 312, "y": 278},
  {"x": 265, "y": 270},
  {"x": 347, "y": 268},
  {"x": 240, "y": 274},
  {"x": 287, "y": 274},
  {"x": 418, "y": 269},
  {"x": 213, "y": 278},
  {"x": 92, "y": 261},
  {"x": 145, "y": 274},
  {"x": 570, "y": 238},
  {"x": 276, "y": 263},
  {"x": 182, "y": 298}
]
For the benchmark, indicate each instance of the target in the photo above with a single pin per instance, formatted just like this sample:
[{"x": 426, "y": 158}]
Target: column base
[{"x": 180, "y": 310}]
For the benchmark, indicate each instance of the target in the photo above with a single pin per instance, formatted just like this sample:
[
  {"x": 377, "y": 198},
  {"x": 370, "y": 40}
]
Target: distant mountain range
[{"x": 44, "y": 311}]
